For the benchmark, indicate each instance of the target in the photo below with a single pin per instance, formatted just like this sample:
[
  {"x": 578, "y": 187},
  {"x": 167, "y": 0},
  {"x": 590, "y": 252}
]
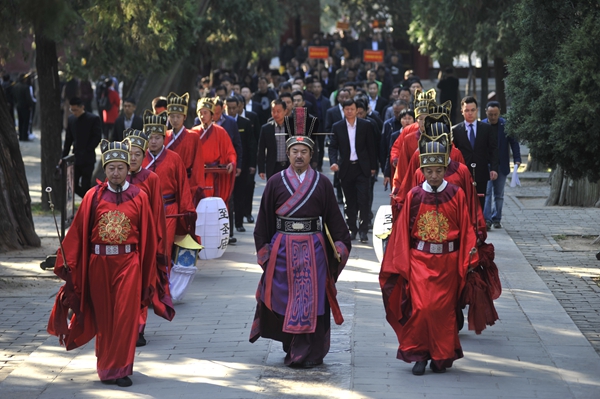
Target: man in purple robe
[{"x": 300, "y": 261}]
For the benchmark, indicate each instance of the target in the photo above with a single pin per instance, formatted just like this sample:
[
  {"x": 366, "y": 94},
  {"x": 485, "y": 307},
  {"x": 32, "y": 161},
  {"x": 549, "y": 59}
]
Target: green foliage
[
  {"x": 232, "y": 29},
  {"x": 554, "y": 84},
  {"x": 131, "y": 37},
  {"x": 445, "y": 29}
]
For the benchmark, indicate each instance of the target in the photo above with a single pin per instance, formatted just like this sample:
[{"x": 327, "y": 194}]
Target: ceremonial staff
[{"x": 49, "y": 191}]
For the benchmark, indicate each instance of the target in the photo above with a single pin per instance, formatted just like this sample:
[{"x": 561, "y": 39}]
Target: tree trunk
[
  {"x": 499, "y": 77},
  {"x": 568, "y": 192},
  {"x": 16, "y": 224},
  {"x": 533, "y": 165},
  {"x": 46, "y": 62},
  {"x": 471, "y": 87},
  {"x": 485, "y": 71}
]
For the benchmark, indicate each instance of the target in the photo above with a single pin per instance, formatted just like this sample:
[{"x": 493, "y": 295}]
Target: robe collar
[
  {"x": 428, "y": 188},
  {"x": 125, "y": 187},
  {"x": 154, "y": 159}
]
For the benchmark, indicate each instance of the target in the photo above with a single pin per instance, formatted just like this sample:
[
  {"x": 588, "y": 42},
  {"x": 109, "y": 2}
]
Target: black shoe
[
  {"x": 108, "y": 382},
  {"x": 124, "y": 382},
  {"x": 250, "y": 219},
  {"x": 141, "y": 341},
  {"x": 232, "y": 240},
  {"x": 419, "y": 367},
  {"x": 363, "y": 237},
  {"x": 353, "y": 235},
  {"x": 240, "y": 229},
  {"x": 488, "y": 224},
  {"x": 309, "y": 365},
  {"x": 497, "y": 225},
  {"x": 598, "y": 256},
  {"x": 435, "y": 369},
  {"x": 460, "y": 319}
]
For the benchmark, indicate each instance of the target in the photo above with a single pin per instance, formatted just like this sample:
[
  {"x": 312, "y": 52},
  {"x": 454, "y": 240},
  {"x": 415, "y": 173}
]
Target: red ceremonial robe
[
  {"x": 175, "y": 190},
  {"x": 149, "y": 182},
  {"x": 106, "y": 291},
  {"x": 458, "y": 174},
  {"x": 218, "y": 151},
  {"x": 397, "y": 153},
  {"x": 297, "y": 290},
  {"x": 423, "y": 273},
  {"x": 187, "y": 144}
]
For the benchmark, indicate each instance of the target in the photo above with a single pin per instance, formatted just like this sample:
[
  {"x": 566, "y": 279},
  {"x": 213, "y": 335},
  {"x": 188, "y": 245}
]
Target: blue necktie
[{"x": 471, "y": 135}]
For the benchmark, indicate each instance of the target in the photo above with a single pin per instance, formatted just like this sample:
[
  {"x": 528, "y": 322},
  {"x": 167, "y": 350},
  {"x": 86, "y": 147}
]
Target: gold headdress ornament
[
  {"x": 300, "y": 126},
  {"x": 440, "y": 109},
  {"x": 177, "y": 104},
  {"x": 155, "y": 123},
  {"x": 206, "y": 102},
  {"x": 435, "y": 143},
  {"x": 136, "y": 138},
  {"x": 423, "y": 101},
  {"x": 114, "y": 151}
]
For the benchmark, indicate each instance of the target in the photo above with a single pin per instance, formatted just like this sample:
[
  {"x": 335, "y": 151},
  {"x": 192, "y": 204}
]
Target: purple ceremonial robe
[{"x": 296, "y": 290}]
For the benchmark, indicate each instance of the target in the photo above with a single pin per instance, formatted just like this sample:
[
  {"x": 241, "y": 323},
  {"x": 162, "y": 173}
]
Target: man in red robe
[
  {"x": 149, "y": 182},
  {"x": 186, "y": 143},
  {"x": 219, "y": 153},
  {"x": 297, "y": 291},
  {"x": 108, "y": 264},
  {"x": 400, "y": 152},
  {"x": 424, "y": 269},
  {"x": 174, "y": 185}
]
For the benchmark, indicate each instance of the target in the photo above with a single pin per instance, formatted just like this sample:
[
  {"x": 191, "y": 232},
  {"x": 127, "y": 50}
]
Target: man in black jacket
[
  {"x": 272, "y": 156},
  {"x": 84, "y": 132},
  {"x": 479, "y": 146},
  {"x": 248, "y": 166},
  {"x": 353, "y": 154},
  {"x": 128, "y": 119}
]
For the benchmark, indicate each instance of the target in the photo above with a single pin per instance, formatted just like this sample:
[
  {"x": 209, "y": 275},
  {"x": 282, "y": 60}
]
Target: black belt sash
[{"x": 298, "y": 225}]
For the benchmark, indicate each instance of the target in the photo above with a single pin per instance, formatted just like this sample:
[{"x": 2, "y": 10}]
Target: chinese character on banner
[
  {"x": 373, "y": 56},
  {"x": 223, "y": 213},
  {"x": 223, "y": 244},
  {"x": 318, "y": 52}
]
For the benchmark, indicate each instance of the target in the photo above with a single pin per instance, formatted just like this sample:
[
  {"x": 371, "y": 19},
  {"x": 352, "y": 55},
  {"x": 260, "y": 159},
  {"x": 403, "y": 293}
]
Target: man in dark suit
[
  {"x": 478, "y": 144},
  {"x": 253, "y": 117},
  {"x": 272, "y": 157},
  {"x": 250, "y": 105},
  {"x": 322, "y": 106},
  {"x": 128, "y": 119},
  {"x": 353, "y": 154},
  {"x": 376, "y": 103},
  {"x": 494, "y": 198},
  {"x": 84, "y": 132},
  {"x": 333, "y": 115},
  {"x": 248, "y": 166}
]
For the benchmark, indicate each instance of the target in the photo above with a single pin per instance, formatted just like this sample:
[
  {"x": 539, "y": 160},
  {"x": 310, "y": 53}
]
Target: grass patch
[
  {"x": 36, "y": 210},
  {"x": 558, "y": 237}
]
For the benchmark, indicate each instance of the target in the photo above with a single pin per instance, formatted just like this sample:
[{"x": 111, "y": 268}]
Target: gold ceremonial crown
[
  {"x": 114, "y": 151},
  {"x": 435, "y": 143},
  {"x": 206, "y": 102},
  {"x": 136, "y": 138},
  {"x": 155, "y": 123},
  {"x": 176, "y": 104},
  {"x": 423, "y": 100}
]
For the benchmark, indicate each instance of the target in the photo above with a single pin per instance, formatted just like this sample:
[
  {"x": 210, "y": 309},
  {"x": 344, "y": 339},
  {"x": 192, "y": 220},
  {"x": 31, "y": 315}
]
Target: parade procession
[{"x": 300, "y": 200}]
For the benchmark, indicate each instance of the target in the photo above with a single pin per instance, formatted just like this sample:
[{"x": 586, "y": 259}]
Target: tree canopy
[{"x": 554, "y": 84}]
